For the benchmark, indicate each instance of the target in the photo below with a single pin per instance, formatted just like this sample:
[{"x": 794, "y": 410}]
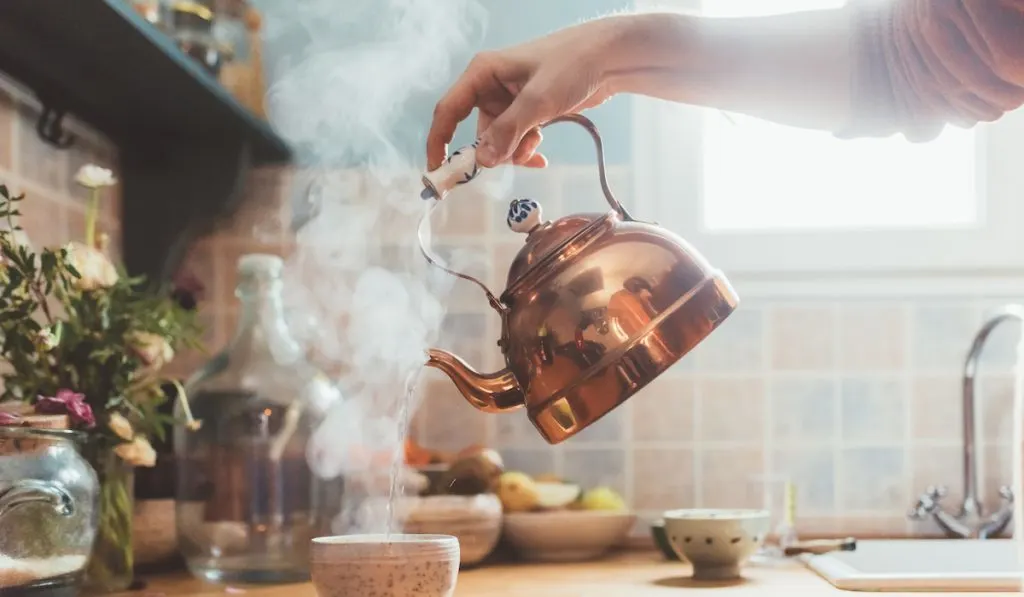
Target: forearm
[
  {"x": 793, "y": 68},
  {"x": 869, "y": 69}
]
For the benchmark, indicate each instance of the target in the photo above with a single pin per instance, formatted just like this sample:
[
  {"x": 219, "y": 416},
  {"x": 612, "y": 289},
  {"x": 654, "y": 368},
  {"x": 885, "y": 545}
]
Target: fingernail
[{"x": 485, "y": 152}]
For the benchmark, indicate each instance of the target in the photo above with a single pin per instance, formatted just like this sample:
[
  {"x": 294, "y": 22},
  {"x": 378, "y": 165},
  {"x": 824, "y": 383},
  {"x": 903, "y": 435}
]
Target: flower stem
[
  {"x": 90, "y": 217},
  {"x": 191, "y": 423}
]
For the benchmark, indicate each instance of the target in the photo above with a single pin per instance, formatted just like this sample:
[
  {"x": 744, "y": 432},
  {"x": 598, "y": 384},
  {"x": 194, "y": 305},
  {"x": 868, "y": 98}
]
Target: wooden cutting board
[{"x": 630, "y": 574}]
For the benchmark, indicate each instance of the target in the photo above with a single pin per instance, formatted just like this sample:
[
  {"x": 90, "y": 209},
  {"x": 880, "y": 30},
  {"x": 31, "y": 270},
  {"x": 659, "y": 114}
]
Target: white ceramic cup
[
  {"x": 716, "y": 542},
  {"x": 421, "y": 565}
]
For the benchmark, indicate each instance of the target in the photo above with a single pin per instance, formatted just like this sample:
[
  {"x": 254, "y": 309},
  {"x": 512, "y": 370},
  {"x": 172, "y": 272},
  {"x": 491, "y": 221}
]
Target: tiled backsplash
[{"x": 856, "y": 401}]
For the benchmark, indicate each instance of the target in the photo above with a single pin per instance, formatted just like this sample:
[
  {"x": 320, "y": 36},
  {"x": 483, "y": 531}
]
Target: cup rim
[
  {"x": 710, "y": 514},
  {"x": 383, "y": 539}
]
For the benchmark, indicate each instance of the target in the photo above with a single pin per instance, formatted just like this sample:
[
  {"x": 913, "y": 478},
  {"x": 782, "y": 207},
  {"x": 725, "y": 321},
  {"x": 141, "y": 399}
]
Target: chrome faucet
[{"x": 971, "y": 521}]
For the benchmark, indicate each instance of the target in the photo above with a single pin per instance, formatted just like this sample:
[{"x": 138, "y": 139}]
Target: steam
[{"x": 345, "y": 77}]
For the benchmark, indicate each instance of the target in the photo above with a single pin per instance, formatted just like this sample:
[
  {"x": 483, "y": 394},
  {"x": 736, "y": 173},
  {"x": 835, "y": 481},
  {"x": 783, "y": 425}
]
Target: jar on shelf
[
  {"x": 192, "y": 28},
  {"x": 248, "y": 503}
]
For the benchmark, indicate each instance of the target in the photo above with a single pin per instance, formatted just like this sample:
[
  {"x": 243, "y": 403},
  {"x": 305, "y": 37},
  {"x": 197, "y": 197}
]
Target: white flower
[
  {"x": 121, "y": 427},
  {"x": 92, "y": 265},
  {"x": 138, "y": 452},
  {"x": 152, "y": 349},
  {"x": 45, "y": 340},
  {"x": 92, "y": 176}
]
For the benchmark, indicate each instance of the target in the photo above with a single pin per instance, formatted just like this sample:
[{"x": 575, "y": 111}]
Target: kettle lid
[{"x": 544, "y": 238}]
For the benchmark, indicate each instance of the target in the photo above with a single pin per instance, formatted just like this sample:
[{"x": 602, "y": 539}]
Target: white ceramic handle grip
[
  {"x": 459, "y": 168},
  {"x": 524, "y": 215}
]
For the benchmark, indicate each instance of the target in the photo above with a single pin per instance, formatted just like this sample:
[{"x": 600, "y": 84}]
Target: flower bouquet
[{"x": 81, "y": 339}]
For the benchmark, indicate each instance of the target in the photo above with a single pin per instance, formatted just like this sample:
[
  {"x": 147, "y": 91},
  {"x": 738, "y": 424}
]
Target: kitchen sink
[{"x": 923, "y": 565}]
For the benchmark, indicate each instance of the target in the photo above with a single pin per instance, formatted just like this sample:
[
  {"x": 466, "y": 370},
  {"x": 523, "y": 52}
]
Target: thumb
[{"x": 500, "y": 140}]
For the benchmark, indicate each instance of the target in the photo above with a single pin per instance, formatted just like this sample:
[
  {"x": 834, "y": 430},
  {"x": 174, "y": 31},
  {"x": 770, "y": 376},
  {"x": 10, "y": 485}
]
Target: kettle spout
[{"x": 492, "y": 392}]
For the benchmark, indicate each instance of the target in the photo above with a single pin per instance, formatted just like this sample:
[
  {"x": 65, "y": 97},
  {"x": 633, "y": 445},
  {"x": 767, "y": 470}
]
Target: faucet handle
[
  {"x": 927, "y": 503},
  {"x": 1006, "y": 493}
]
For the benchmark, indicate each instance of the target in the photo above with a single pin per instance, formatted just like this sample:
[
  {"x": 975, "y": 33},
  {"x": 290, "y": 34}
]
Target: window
[{"x": 757, "y": 197}]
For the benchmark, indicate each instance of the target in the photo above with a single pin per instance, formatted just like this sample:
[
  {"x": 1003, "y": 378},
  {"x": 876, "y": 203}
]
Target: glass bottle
[{"x": 247, "y": 502}]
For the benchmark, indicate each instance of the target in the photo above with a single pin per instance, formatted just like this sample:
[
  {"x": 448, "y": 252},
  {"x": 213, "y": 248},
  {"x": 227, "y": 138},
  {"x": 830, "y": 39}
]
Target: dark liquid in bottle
[{"x": 248, "y": 502}]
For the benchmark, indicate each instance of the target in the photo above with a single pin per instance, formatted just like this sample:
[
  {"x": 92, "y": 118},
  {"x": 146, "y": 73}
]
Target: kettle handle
[
  {"x": 423, "y": 235},
  {"x": 587, "y": 124},
  {"x": 461, "y": 168}
]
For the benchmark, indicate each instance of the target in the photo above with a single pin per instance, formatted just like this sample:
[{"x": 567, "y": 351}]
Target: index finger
[{"x": 453, "y": 108}]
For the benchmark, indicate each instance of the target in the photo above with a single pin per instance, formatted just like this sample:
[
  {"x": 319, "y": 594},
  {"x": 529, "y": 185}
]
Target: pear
[
  {"x": 556, "y": 496},
  {"x": 517, "y": 492},
  {"x": 602, "y": 498}
]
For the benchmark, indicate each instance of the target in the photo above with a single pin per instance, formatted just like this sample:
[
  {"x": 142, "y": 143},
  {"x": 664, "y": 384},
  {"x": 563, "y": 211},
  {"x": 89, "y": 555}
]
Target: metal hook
[{"x": 51, "y": 128}]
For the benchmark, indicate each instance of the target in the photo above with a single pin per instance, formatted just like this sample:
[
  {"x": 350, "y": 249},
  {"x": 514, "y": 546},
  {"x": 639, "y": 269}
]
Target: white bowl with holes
[
  {"x": 566, "y": 535},
  {"x": 716, "y": 542}
]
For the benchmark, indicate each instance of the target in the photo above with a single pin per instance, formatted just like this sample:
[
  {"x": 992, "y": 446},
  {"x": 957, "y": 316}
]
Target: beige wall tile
[
  {"x": 730, "y": 410},
  {"x": 803, "y": 337},
  {"x": 935, "y": 410},
  {"x": 873, "y": 411},
  {"x": 735, "y": 347},
  {"x": 873, "y": 337},
  {"x": 873, "y": 479},
  {"x": 941, "y": 333},
  {"x": 731, "y": 478},
  {"x": 803, "y": 410},
  {"x": 663, "y": 479},
  {"x": 664, "y": 411}
]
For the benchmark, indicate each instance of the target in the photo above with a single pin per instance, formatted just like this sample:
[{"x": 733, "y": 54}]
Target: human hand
[{"x": 518, "y": 89}]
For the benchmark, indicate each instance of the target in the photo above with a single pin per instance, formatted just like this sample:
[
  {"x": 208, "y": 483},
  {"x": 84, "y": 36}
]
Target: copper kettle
[{"x": 596, "y": 306}]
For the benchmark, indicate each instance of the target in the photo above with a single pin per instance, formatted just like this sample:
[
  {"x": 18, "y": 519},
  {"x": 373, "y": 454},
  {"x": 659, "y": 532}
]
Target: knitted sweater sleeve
[{"x": 921, "y": 64}]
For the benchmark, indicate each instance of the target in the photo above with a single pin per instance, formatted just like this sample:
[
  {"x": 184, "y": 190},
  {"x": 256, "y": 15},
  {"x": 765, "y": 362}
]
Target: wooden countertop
[{"x": 631, "y": 573}]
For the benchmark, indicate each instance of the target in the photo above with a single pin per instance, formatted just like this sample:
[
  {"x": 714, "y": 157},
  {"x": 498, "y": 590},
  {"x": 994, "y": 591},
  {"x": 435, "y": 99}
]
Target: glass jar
[
  {"x": 192, "y": 27},
  {"x": 48, "y": 509},
  {"x": 247, "y": 502}
]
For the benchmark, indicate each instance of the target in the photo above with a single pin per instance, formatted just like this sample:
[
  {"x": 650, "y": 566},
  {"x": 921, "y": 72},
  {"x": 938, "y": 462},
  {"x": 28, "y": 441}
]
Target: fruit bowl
[
  {"x": 475, "y": 520},
  {"x": 551, "y": 520},
  {"x": 566, "y": 535}
]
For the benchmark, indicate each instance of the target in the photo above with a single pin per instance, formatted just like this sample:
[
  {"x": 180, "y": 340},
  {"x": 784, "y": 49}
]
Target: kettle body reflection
[{"x": 596, "y": 306}]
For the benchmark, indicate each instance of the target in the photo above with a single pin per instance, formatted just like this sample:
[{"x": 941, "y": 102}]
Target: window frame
[{"x": 667, "y": 170}]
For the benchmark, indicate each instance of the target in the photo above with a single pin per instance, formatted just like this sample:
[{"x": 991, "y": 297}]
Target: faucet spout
[
  {"x": 970, "y": 520},
  {"x": 488, "y": 392},
  {"x": 972, "y": 503}
]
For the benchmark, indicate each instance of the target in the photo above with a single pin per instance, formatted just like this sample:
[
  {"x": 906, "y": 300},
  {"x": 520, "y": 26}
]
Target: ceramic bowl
[
  {"x": 474, "y": 520},
  {"x": 716, "y": 542},
  {"x": 566, "y": 536},
  {"x": 421, "y": 565}
]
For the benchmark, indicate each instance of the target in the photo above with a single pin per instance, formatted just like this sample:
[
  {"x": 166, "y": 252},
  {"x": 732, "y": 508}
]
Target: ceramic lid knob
[
  {"x": 459, "y": 168},
  {"x": 523, "y": 215}
]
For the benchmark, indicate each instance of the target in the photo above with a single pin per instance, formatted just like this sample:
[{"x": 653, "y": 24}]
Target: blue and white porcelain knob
[
  {"x": 459, "y": 168},
  {"x": 524, "y": 215}
]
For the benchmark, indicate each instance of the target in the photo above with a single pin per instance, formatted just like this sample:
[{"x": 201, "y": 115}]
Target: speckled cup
[{"x": 379, "y": 566}]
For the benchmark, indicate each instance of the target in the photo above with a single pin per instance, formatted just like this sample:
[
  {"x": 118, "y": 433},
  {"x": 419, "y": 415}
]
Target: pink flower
[
  {"x": 70, "y": 403},
  {"x": 9, "y": 419}
]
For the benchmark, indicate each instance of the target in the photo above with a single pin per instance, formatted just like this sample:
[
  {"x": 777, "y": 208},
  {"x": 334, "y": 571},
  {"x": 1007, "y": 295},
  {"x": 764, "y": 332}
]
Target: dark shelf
[{"x": 185, "y": 142}]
